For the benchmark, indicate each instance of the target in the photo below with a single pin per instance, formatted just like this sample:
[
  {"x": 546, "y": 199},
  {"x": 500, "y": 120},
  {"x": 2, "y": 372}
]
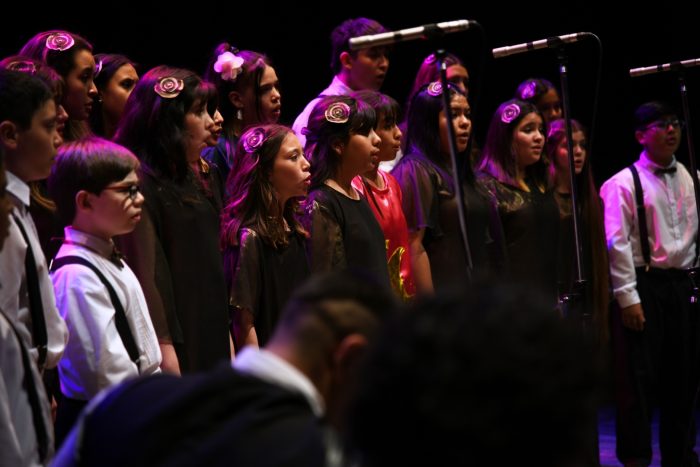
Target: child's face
[
  {"x": 461, "y": 120},
  {"x": 117, "y": 91},
  {"x": 561, "y": 159},
  {"x": 290, "y": 175},
  {"x": 459, "y": 76},
  {"x": 550, "y": 105},
  {"x": 198, "y": 126},
  {"x": 116, "y": 209},
  {"x": 36, "y": 146},
  {"x": 80, "y": 87},
  {"x": 269, "y": 98},
  {"x": 661, "y": 138},
  {"x": 360, "y": 153},
  {"x": 391, "y": 139},
  {"x": 528, "y": 140},
  {"x": 368, "y": 68},
  {"x": 5, "y": 208}
]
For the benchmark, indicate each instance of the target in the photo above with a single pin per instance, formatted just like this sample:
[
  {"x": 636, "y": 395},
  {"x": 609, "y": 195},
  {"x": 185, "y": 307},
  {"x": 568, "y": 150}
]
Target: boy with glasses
[
  {"x": 651, "y": 226},
  {"x": 95, "y": 187}
]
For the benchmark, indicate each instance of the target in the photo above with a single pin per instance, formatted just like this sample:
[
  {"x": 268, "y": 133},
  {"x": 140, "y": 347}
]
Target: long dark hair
[
  {"x": 152, "y": 126},
  {"x": 321, "y": 134},
  {"x": 592, "y": 217},
  {"x": 497, "y": 158},
  {"x": 423, "y": 131},
  {"x": 253, "y": 202}
]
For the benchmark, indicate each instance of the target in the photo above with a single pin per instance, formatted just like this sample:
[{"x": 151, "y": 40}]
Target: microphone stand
[
  {"x": 693, "y": 271},
  {"x": 451, "y": 136},
  {"x": 572, "y": 302}
]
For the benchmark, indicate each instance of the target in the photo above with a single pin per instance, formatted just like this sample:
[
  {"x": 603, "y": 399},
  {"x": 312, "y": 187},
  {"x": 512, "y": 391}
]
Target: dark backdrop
[{"x": 295, "y": 36}]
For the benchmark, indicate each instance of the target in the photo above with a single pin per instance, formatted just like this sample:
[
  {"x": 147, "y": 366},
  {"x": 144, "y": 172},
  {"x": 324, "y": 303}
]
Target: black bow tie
[
  {"x": 669, "y": 170},
  {"x": 116, "y": 257}
]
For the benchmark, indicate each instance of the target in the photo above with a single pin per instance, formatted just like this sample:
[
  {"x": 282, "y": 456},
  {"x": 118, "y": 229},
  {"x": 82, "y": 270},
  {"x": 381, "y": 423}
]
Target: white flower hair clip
[
  {"x": 60, "y": 41},
  {"x": 229, "y": 65}
]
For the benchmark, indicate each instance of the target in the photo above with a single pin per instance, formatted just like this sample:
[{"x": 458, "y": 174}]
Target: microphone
[
  {"x": 540, "y": 44},
  {"x": 647, "y": 70},
  {"x": 421, "y": 32}
]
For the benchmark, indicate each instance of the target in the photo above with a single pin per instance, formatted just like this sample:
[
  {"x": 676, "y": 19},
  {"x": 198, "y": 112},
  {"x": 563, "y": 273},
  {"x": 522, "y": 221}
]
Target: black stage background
[{"x": 296, "y": 38}]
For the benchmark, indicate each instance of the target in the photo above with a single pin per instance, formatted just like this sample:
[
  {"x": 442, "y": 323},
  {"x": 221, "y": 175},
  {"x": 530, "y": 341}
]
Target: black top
[
  {"x": 429, "y": 203},
  {"x": 174, "y": 252},
  {"x": 218, "y": 418},
  {"x": 262, "y": 278},
  {"x": 531, "y": 232},
  {"x": 344, "y": 234}
]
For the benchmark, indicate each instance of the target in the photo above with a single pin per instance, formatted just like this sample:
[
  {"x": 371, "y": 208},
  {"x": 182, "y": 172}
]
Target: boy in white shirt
[
  {"x": 29, "y": 138},
  {"x": 95, "y": 188}
]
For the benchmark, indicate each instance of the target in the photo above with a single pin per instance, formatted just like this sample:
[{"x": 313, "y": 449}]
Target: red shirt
[{"x": 386, "y": 206}]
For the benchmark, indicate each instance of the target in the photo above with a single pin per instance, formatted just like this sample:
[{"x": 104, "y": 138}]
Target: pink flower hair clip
[
  {"x": 24, "y": 66},
  {"x": 229, "y": 65},
  {"x": 60, "y": 41},
  {"x": 528, "y": 91},
  {"x": 510, "y": 113},
  {"x": 435, "y": 88},
  {"x": 169, "y": 87},
  {"x": 253, "y": 140},
  {"x": 337, "y": 112}
]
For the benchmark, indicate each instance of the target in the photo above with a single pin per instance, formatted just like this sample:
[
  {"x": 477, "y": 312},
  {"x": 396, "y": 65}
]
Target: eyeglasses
[
  {"x": 131, "y": 191},
  {"x": 662, "y": 125}
]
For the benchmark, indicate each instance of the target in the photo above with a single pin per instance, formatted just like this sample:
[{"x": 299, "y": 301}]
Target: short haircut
[
  {"x": 650, "y": 112},
  {"x": 466, "y": 381},
  {"x": 348, "y": 29},
  {"x": 90, "y": 164},
  {"x": 339, "y": 286},
  {"x": 21, "y": 96}
]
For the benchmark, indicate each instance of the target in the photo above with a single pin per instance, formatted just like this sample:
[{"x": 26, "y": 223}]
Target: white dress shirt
[
  {"x": 336, "y": 88},
  {"x": 95, "y": 357},
  {"x": 18, "y": 441},
  {"x": 14, "y": 298},
  {"x": 672, "y": 223},
  {"x": 269, "y": 367}
]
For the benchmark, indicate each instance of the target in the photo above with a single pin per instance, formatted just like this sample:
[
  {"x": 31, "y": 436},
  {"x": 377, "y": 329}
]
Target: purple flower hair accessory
[
  {"x": 435, "y": 88},
  {"x": 528, "y": 91},
  {"x": 23, "y": 66},
  {"x": 60, "y": 41},
  {"x": 253, "y": 140},
  {"x": 229, "y": 65},
  {"x": 510, "y": 113},
  {"x": 169, "y": 87},
  {"x": 98, "y": 68},
  {"x": 338, "y": 112}
]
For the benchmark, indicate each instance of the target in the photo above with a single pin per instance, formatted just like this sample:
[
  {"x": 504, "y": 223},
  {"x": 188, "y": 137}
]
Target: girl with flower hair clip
[
  {"x": 513, "y": 169},
  {"x": 174, "y": 250},
  {"x": 342, "y": 144},
  {"x": 71, "y": 56},
  {"x": 428, "y": 194},
  {"x": 544, "y": 95},
  {"x": 249, "y": 95},
  {"x": 262, "y": 240},
  {"x": 384, "y": 193}
]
